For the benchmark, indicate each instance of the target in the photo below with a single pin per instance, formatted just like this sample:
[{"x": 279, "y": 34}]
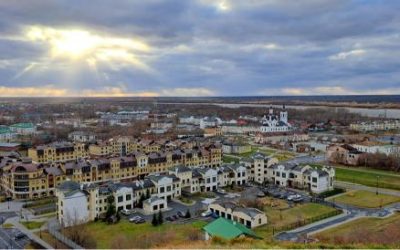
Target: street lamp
[{"x": 377, "y": 184}]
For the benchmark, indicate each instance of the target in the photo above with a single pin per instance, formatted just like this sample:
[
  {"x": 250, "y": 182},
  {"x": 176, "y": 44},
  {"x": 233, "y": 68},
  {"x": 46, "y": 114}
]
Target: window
[
  {"x": 120, "y": 198},
  {"x": 128, "y": 197}
]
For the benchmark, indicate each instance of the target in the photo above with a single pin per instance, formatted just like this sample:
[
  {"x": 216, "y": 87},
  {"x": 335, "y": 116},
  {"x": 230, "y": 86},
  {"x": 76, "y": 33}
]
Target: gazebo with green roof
[{"x": 227, "y": 229}]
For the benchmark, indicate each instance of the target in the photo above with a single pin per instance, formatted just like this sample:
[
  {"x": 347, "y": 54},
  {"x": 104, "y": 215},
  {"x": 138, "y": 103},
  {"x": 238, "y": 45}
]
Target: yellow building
[
  {"x": 29, "y": 180},
  {"x": 58, "y": 152},
  {"x": 34, "y": 180}
]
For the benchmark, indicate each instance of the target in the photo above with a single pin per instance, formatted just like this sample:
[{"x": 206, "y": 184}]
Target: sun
[
  {"x": 74, "y": 43},
  {"x": 84, "y": 45}
]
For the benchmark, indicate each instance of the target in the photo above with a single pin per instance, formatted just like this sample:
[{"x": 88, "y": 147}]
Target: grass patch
[
  {"x": 33, "y": 224},
  {"x": 361, "y": 198},
  {"x": 280, "y": 216},
  {"x": 185, "y": 200},
  {"x": 229, "y": 159},
  {"x": 47, "y": 237},
  {"x": 385, "y": 232},
  {"x": 368, "y": 177},
  {"x": 284, "y": 156},
  {"x": 39, "y": 202},
  {"x": 129, "y": 235},
  {"x": 7, "y": 225}
]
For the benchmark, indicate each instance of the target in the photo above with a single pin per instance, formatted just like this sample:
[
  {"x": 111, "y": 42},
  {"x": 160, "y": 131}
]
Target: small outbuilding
[{"x": 227, "y": 229}]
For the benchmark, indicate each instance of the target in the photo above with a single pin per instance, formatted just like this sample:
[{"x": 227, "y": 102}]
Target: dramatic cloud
[{"x": 199, "y": 47}]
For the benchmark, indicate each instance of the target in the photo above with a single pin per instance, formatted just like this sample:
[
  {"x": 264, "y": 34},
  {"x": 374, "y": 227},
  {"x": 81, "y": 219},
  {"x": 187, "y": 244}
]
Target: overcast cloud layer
[{"x": 199, "y": 47}]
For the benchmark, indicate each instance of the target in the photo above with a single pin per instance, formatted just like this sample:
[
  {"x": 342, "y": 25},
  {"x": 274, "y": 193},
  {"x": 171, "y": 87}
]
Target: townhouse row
[
  {"x": 121, "y": 145},
  {"x": 24, "y": 179},
  {"x": 262, "y": 169},
  {"x": 78, "y": 203}
]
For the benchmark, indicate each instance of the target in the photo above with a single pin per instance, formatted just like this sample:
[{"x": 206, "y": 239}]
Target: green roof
[
  {"x": 22, "y": 125},
  {"x": 4, "y": 130},
  {"x": 228, "y": 229}
]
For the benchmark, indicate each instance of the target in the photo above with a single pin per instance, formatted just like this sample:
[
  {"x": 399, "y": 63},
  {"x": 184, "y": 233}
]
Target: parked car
[
  {"x": 214, "y": 215},
  {"x": 261, "y": 194},
  {"x": 221, "y": 191},
  {"x": 181, "y": 214},
  {"x": 126, "y": 211},
  {"x": 206, "y": 213},
  {"x": 175, "y": 217},
  {"x": 19, "y": 236},
  {"x": 293, "y": 196},
  {"x": 140, "y": 221},
  {"x": 298, "y": 199},
  {"x": 135, "y": 218}
]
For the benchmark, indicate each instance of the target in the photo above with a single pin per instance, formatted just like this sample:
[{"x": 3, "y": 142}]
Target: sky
[{"x": 199, "y": 47}]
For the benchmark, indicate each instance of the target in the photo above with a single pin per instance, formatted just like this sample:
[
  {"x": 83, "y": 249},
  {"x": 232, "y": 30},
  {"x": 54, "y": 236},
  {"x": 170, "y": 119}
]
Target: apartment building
[
  {"x": 58, "y": 152},
  {"x": 250, "y": 217},
  {"x": 232, "y": 174},
  {"x": 259, "y": 167},
  {"x": 79, "y": 203},
  {"x": 373, "y": 147},
  {"x": 24, "y": 128},
  {"x": 376, "y": 125},
  {"x": 303, "y": 177},
  {"x": 343, "y": 154},
  {"x": 40, "y": 178},
  {"x": 82, "y": 136},
  {"x": 22, "y": 179},
  {"x": 235, "y": 147}
]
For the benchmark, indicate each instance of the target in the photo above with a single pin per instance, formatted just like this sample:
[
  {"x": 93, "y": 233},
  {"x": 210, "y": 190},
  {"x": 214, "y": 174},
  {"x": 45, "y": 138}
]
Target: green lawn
[
  {"x": 280, "y": 215},
  {"x": 365, "y": 199},
  {"x": 33, "y": 224},
  {"x": 229, "y": 159},
  {"x": 364, "y": 230},
  {"x": 129, "y": 235},
  {"x": 7, "y": 225},
  {"x": 368, "y": 177}
]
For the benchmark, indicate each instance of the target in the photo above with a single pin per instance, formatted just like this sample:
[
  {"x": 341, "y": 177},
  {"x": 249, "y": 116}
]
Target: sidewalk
[{"x": 30, "y": 234}]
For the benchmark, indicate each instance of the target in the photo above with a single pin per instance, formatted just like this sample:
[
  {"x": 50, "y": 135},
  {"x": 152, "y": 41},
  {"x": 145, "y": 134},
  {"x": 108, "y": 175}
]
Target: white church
[{"x": 272, "y": 123}]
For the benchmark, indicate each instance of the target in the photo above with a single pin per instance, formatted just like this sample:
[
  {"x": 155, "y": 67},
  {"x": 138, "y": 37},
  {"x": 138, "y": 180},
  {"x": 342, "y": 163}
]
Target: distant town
[{"x": 72, "y": 172}]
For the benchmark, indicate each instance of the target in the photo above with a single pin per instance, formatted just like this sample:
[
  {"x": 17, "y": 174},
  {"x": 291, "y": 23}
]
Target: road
[
  {"x": 350, "y": 213},
  {"x": 7, "y": 234},
  {"x": 348, "y": 185}
]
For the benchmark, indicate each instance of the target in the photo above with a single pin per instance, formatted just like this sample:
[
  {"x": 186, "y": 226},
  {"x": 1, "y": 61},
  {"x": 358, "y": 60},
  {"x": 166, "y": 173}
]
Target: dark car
[
  {"x": 214, "y": 215},
  {"x": 170, "y": 218},
  {"x": 19, "y": 236},
  {"x": 181, "y": 214},
  {"x": 175, "y": 217},
  {"x": 140, "y": 221}
]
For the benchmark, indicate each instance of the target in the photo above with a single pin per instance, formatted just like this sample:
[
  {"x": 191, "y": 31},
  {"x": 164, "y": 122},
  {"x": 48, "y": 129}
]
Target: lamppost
[{"x": 377, "y": 184}]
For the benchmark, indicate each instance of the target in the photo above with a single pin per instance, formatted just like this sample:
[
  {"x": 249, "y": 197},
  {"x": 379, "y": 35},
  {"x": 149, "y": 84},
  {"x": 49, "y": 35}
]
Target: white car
[
  {"x": 206, "y": 213},
  {"x": 126, "y": 211},
  {"x": 221, "y": 191},
  {"x": 293, "y": 197},
  {"x": 135, "y": 218}
]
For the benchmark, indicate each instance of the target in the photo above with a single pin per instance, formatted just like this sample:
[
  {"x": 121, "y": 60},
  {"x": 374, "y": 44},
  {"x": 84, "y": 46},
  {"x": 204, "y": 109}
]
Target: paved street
[{"x": 350, "y": 213}]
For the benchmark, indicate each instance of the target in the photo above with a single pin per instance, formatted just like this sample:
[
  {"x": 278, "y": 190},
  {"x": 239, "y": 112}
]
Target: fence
[
  {"x": 304, "y": 222},
  {"x": 53, "y": 228}
]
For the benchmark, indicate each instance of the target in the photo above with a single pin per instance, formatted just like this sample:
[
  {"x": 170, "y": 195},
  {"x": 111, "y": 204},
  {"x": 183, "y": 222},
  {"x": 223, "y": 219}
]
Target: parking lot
[
  {"x": 250, "y": 192},
  {"x": 7, "y": 235}
]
